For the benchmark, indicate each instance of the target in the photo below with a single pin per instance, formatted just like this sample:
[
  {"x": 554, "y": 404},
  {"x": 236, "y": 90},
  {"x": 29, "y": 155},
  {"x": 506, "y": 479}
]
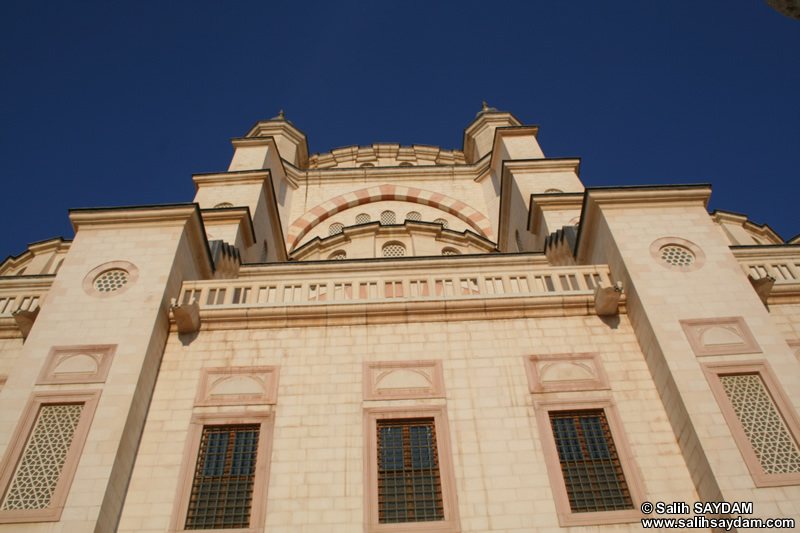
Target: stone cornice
[
  {"x": 756, "y": 252},
  {"x": 187, "y": 215},
  {"x": 233, "y": 215},
  {"x": 401, "y": 311},
  {"x": 383, "y": 174},
  {"x": 622, "y": 197},
  {"x": 22, "y": 283},
  {"x": 551, "y": 202},
  {"x": 238, "y": 177}
]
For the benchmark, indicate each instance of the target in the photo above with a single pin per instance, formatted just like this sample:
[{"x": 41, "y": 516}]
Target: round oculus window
[
  {"x": 677, "y": 255},
  {"x": 111, "y": 280}
]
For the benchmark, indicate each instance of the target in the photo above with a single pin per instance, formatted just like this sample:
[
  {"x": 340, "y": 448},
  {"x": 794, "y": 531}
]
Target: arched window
[
  {"x": 413, "y": 215},
  {"x": 450, "y": 251},
  {"x": 406, "y": 164},
  {"x": 366, "y": 165},
  {"x": 338, "y": 254},
  {"x": 553, "y": 191},
  {"x": 441, "y": 221},
  {"x": 363, "y": 218},
  {"x": 394, "y": 249},
  {"x": 223, "y": 204},
  {"x": 335, "y": 228},
  {"x": 387, "y": 218}
]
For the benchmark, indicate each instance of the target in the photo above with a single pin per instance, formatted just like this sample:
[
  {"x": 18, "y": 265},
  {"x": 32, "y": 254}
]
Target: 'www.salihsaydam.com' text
[{"x": 722, "y": 523}]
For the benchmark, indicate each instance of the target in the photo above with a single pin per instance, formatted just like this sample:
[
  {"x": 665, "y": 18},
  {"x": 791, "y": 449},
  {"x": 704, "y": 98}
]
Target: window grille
[
  {"x": 409, "y": 482},
  {"x": 773, "y": 444},
  {"x": 223, "y": 204},
  {"x": 589, "y": 462},
  {"x": 43, "y": 459},
  {"x": 413, "y": 215},
  {"x": 363, "y": 218},
  {"x": 387, "y": 218},
  {"x": 222, "y": 490},
  {"x": 450, "y": 251},
  {"x": 335, "y": 228},
  {"x": 394, "y": 250},
  {"x": 441, "y": 221},
  {"x": 111, "y": 280},
  {"x": 337, "y": 255},
  {"x": 676, "y": 255}
]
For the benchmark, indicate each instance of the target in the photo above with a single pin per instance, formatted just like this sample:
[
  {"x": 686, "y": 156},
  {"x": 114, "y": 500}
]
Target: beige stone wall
[
  {"x": 658, "y": 298},
  {"x": 316, "y": 480},
  {"x": 9, "y": 351},
  {"x": 787, "y": 319}
]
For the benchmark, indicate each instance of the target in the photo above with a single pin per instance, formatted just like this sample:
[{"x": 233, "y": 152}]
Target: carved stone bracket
[
  {"x": 606, "y": 299},
  {"x": 25, "y": 320},
  {"x": 187, "y": 316},
  {"x": 763, "y": 286}
]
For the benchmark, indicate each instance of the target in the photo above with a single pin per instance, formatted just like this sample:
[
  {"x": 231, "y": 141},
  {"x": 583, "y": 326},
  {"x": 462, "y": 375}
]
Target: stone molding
[
  {"x": 87, "y": 363},
  {"x": 733, "y": 336},
  {"x": 402, "y": 380},
  {"x": 243, "y": 385},
  {"x": 565, "y": 372}
]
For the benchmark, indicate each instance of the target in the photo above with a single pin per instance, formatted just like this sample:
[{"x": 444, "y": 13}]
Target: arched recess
[{"x": 457, "y": 208}]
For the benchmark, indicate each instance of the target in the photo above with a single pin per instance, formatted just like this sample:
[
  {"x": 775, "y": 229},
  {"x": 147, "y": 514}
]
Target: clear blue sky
[{"x": 112, "y": 104}]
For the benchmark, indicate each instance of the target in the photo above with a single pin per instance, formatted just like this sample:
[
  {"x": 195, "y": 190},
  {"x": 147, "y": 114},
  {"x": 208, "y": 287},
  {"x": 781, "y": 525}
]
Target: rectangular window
[
  {"x": 409, "y": 471},
  {"x": 589, "y": 462},
  {"x": 225, "y": 471},
  {"x": 409, "y": 487},
  {"x": 761, "y": 419},
  {"x": 222, "y": 491},
  {"x": 43, "y": 455}
]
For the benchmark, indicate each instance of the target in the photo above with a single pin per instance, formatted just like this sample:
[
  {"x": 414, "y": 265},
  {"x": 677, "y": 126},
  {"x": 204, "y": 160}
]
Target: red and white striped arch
[{"x": 457, "y": 208}]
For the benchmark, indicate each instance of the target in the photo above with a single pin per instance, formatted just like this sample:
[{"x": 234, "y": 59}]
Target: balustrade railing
[{"x": 347, "y": 287}]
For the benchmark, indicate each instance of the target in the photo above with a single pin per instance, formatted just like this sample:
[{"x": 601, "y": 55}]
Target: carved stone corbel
[
  {"x": 763, "y": 286},
  {"x": 606, "y": 299},
  {"x": 25, "y": 320},
  {"x": 187, "y": 316}
]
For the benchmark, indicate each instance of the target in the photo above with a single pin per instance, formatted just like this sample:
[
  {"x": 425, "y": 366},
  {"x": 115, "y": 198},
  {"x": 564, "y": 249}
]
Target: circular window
[
  {"x": 413, "y": 215},
  {"x": 335, "y": 228},
  {"x": 363, "y": 218},
  {"x": 677, "y": 254},
  {"x": 441, "y": 221},
  {"x": 111, "y": 280},
  {"x": 394, "y": 250},
  {"x": 338, "y": 254}
]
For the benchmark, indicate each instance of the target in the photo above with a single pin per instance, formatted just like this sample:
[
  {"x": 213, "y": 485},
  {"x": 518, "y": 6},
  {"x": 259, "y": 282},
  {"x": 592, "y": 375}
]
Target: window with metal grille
[
  {"x": 413, "y": 215},
  {"x": 441, "y": 221},
  {"x": 774, "y": 445},
  {"x": 394, "y": 250},
  {"x": 222, "y": 490},
  {"x": 45, "y": 453},
  {"x": 335, "y": 228},
  {"x": 409, "y": 482},
  {"x": 589, "y": 462},
  {"x": 387, "y": 217},
  {"x": 363, "y": 218}
]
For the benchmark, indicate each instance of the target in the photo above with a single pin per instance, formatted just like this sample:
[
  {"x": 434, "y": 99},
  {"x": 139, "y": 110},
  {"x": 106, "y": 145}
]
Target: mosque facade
[{"x": 395, "y": 338}]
